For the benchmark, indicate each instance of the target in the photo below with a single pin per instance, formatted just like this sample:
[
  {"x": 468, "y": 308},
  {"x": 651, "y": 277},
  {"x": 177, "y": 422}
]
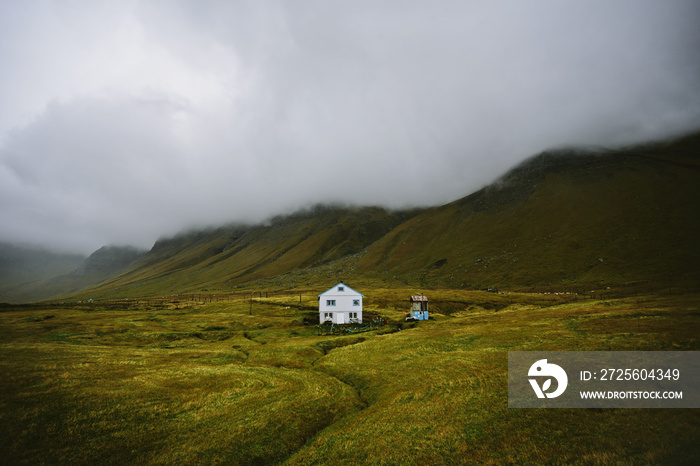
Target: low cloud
[{"x": 128, "y": 121}]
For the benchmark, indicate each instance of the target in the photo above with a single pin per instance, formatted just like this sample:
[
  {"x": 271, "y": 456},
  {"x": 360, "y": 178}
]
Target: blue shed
[{"x": 419, "y": 307}]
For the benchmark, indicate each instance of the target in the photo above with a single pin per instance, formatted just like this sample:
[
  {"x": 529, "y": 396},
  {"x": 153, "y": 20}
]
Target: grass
[{"x": 244, "y": 381}]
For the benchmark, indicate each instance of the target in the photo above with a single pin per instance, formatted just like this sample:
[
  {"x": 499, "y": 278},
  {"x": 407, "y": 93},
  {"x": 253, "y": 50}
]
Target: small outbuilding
[
  {"x": 340, "y": 305},
  {"x": 419, "y": 307}
]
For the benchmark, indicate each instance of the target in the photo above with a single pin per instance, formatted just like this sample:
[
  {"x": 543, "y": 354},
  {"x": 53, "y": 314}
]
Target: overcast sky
[{"x": 123, "y": 121}]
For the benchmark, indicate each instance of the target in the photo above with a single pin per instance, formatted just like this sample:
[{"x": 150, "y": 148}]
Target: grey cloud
[{"x": 209, "y": 112}]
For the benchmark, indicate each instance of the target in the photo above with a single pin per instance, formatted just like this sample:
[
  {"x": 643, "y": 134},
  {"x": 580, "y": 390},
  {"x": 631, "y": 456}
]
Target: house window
[
  {"x": 355, "y": 302},
  {"x": 341, "y": 288},
  {"x": 353, "y": 315},
  {"x": 328, "y": 316},
  {"x": 330, "y": 302}
]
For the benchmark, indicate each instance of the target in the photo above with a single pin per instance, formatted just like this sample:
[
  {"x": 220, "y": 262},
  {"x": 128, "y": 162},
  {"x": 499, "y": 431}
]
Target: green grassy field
[{"x": 236, "y": 380}]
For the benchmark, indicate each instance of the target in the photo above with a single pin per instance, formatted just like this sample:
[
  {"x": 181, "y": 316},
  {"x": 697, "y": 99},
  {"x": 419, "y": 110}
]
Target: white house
[{"x": 340, "y": 305}]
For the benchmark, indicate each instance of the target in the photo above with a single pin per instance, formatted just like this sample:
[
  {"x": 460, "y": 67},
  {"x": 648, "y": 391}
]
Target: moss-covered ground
[{"x": 245, "y": 379}]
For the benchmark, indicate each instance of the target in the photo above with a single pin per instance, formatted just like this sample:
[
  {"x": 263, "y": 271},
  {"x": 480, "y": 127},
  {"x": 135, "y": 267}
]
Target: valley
[
  {"x": 240, "y": 379},
  {"x": 206, "y": 348}
]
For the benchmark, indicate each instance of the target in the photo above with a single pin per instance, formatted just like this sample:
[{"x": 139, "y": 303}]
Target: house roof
[
  {"x": 343, "y": 284},
  {"x": 419, "y": 298}
]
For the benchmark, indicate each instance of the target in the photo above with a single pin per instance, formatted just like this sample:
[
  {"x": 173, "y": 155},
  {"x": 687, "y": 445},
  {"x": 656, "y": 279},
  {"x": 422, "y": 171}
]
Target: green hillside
[
  {"x": 25, "y": 272},
  {"x": 28, "y": 274},
  {"x": 567, "y": 218},
  {"x": 561, "y": 218},
  {"x": 226, "y": 257}
]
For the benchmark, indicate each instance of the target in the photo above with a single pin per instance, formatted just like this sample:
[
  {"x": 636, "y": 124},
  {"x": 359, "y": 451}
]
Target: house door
[{"x": 341, "y": 318}]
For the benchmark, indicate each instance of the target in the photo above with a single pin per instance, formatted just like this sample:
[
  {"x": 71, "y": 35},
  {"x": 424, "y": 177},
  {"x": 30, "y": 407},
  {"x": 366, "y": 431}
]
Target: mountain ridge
[
  {"x": 560, "y": 218},
  {"x": 584, "y": 206},
  {"x": 31, "y": 274}
]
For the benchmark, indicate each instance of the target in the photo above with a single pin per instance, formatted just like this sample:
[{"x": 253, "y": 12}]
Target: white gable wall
[{"x": 340, "y": 305}]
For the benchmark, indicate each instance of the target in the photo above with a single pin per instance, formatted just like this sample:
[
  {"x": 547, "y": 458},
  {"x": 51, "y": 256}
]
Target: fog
[{"x": 125, "y": 121}]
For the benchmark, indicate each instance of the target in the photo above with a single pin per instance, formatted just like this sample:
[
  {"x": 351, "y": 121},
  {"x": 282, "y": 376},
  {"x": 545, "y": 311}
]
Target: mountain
[
  {"x": 30, "y": 274},
  {"x": 234, "y": 255},
  {"x": 24, "y": 270},
  {"x": 108, "y": 260},
  {"x": 565, "y": 218}
]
